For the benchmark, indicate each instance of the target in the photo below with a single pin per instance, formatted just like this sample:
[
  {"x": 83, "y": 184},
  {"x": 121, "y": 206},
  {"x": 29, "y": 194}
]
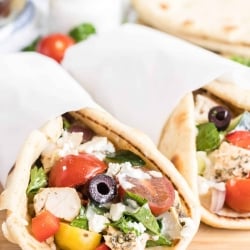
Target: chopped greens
[
  {"x": 38, "y": 179},
  {"x": 208, "y": 137},
  {"x": 82, "y": 31},
  {"x": 144, "y": 215},
  {"x": 140, "y": 200},
  {"x": 81, "y": 220},
  {"x": 161, "y": 241},
  {"x": 121, "y": 156}
]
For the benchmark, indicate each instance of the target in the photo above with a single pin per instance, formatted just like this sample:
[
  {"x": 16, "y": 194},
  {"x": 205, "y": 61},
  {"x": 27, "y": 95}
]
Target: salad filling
[
  {"x": 84, "y": 193},
  {"x": 223, "y": 156}
]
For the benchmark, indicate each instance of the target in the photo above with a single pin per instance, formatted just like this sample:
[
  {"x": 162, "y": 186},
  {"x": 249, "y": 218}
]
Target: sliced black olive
[
  {"x": 102, "y": 189},
  {"x": 220, "y": 116}
]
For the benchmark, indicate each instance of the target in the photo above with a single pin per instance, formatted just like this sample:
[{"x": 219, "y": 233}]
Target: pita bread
[
  {"x": 221, "y": 26},
  {"x": 14, "y": 199},
  {"x": 178, "y": 143}
]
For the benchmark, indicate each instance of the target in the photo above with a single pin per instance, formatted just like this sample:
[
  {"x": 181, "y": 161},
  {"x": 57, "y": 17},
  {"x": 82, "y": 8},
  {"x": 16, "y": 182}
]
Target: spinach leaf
[
  {"x": 144, "y": 215},
  {"x": 38, "y": 179},
  {"x": 81, "y": 220},
  {"x": 121, "y": 156},
  {"x": 161, "y": 241}
]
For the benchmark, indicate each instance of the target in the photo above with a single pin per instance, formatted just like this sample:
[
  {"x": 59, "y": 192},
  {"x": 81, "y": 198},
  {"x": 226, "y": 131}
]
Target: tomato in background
[
  {"x": 73, "y": 170},
  {"x": 158, "y": 191},
  {"x": 54, "y": 45},
  {"x": 238, "y": 194},
  {"x": 239, "y": 138},
  {"x": 102, "y": 247},
  {"x": 44, "y": 225}
]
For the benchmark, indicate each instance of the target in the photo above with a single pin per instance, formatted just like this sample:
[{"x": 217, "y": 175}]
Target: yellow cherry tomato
[{"x": 74, "y": 238}]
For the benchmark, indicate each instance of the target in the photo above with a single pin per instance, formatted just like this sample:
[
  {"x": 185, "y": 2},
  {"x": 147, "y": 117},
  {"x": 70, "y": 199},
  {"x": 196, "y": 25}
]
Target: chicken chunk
[{"x": 63, "y": 202}]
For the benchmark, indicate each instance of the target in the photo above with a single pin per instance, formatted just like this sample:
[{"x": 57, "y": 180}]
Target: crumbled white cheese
[
  {"x": 116, "y": 211},
  {"x": 113, "y": 169},
  {"x": 155, "y": 174},
  {"x": 139, "y": 227},
  {"x": 187, "y": 228},
  {"x": 97, "y": 223},
  {"x": 127, "y": 170},
  {"x": 98, "y": 146},
  {"x": 205, "y": 185}
]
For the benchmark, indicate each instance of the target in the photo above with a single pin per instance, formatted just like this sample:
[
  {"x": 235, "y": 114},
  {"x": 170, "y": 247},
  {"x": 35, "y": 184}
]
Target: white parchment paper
[
  {"x": 138, "y": 74},
  {"x": 33, "y": 89}
]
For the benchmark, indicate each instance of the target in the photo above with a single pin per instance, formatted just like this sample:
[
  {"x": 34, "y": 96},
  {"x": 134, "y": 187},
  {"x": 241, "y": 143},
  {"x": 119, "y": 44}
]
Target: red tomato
[
  {"x": 54, "y": 45},
  {"x": 158, "y": 191},
  {"x": 44, "y": 225},
  {"x": 73, "y": 170},
  {"x": 239, "y": 138},
  {"x": 238, "y": 195},
  {"x": 102, "y": 247}
]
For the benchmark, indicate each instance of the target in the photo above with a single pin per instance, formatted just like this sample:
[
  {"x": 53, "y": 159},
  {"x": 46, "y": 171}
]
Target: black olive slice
[
  {"x": 220, "y": 116},
  {"x": 102, "y": 189}
]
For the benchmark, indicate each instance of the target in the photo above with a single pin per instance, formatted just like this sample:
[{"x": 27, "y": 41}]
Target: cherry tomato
[
  {"x": 44, "y": 225},
  {"x": 239, "y": 138},
  {"x": 238, "y": 194},
  {"x": 158, "y": 191},
  {"x": 73, "y": 170},
  {"x": 102, "y": 247},
  {"x": 54, "y": 45}
]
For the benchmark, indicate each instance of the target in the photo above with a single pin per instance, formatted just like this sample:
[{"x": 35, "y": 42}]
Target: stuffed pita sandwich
[
  {"x": 207, "y": 137},
  {"x": 86, "y": 181},
  {"x": 221, "y": 26}
]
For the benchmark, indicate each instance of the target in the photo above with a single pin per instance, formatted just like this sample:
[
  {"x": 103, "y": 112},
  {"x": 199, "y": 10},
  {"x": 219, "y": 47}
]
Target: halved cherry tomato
[
  {"x": 44, "y": 225},
  {"x": 238, "y": 194},
  {"x": 73, "y": 170},
  {"x": 158, "y": 191},
  {"x": 54, "y": 45},
  {"x": 103, "y": 246},
  {"x": 239, "y": 138}
]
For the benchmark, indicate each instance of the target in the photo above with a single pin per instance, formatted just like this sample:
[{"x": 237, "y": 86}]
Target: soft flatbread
[
  {"x": 14, "y": 198},
  {"x": 178, "y": 143},
  {"x": 221, "y": 26}
]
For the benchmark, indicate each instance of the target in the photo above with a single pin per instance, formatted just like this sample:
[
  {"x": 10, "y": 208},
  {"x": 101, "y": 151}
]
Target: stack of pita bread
[{"x": 222, "y": 26}]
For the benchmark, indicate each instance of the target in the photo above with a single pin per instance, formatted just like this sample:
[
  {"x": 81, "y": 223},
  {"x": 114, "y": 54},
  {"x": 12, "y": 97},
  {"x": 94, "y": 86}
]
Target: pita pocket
[
  {"x": 221, "y": 26},
  {"x": 206, "y": 139},
  {"x": 89, "y": 175}
]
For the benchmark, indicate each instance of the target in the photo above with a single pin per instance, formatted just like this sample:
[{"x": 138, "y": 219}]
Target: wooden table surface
[{"x": 207, "y": 238}]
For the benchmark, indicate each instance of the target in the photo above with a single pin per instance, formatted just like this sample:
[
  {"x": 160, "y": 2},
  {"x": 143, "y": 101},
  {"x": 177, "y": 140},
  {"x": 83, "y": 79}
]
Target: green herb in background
[
  {"x": 32, "y": 46},
  {"x": 242, "y": 60},
  {"x": 82, "y": 32}
]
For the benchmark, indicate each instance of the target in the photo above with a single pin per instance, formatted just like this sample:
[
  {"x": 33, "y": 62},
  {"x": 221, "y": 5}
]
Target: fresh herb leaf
[
  {"x": 144, "y": 215},
  {"x": 38, "y": 179},
  {"x": 82, "y": 31},
  {"x": 242, "y": 60},
  {"x": 208, "y": 137},
  {"x": 32, "y": 46},
  {"x": 126, "y": 225},
  {"x": 121, "y": 156},
  {"x": 161, "y": 241},
  {"x": 81, "y": 220},
  {"x": 140, "y": 200}
]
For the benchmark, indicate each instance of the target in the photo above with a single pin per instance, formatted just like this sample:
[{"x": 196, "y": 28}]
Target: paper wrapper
[
  {"x": 33, "y": 90},
  {"x": 138, "y": 74}
]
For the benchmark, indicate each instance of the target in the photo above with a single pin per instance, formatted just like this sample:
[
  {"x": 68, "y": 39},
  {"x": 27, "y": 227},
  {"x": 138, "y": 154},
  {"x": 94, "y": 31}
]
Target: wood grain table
[{"x": 207, "y": 238}]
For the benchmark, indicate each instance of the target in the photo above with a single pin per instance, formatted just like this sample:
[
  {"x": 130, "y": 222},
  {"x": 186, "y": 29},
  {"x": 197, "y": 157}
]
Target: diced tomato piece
[
  {"x": 238, "y": 194},
  {"x": 239, "y": 138},
  {"x": 73, "y": 170},
  {"x": 103, "y": 246},
  {"x": 44, "y": 225}
]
